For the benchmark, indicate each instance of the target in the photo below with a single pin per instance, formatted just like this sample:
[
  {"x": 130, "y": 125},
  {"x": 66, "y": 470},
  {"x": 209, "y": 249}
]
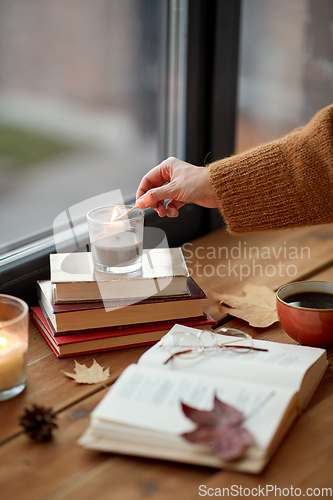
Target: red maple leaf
[{"x": 220, "y": 429}]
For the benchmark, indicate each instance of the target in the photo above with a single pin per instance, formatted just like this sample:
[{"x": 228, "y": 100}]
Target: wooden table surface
[{"x": 61, "y": 469}]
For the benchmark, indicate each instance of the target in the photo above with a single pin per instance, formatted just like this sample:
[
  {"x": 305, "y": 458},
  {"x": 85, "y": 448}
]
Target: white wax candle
[
  {"x": 12, "y": 360},
  {"x": 116, "y": 249}
]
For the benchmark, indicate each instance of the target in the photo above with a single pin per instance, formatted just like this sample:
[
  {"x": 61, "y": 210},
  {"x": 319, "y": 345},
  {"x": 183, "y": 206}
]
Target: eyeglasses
[{"x": 188, "y": 345}]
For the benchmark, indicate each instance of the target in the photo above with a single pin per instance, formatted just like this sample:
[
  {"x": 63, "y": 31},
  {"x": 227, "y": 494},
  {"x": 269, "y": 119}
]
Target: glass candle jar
[
  {"x": 14, "y": 334},
  {"x": 116, "y": 245}
]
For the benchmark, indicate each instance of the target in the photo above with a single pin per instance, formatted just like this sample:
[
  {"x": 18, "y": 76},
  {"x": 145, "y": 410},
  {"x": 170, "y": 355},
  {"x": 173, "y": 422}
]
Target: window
[
  {"x": 286, "y": 67},
  {"x": 79, "y": 87},
  {"x": 93, "y": 93}
]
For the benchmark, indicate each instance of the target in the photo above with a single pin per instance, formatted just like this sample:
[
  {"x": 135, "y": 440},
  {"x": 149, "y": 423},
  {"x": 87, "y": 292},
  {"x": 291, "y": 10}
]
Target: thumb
[{"x": 151, "y": 197}]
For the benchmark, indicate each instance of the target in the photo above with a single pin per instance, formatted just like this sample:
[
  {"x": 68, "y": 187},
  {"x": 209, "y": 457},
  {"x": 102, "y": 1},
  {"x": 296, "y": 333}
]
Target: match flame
[
  {"x": 3, "y": 340},
  {"x": 115, "y": 213}
]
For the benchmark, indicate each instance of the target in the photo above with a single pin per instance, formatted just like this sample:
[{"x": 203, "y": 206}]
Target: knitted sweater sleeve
[{"x": 285, "y": 183}]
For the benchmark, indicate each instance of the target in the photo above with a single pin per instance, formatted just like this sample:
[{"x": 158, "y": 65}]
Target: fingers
[
  {"x": 145, "y": 196},
  {"x": 172, "y": 208},
  {"x": 160, "y": 208},
  {"x": 156, "y": 195},
  {"x": 151, "y": 199},
  {"x": 167, "y": 181},
  {"x": 156, "y": 177}
]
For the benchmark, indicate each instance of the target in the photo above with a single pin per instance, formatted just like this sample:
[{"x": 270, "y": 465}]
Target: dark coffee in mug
[{"x": 311, "y": 300}]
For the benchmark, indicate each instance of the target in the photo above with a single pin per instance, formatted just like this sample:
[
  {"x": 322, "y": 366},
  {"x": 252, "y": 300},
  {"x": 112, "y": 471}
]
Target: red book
[{"x": 106, "y": 340}]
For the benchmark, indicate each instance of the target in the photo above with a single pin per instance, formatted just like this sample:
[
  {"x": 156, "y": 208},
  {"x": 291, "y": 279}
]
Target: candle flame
[
  {"x": 2, "y": 340},
  {"x": 115, "y": 213}
]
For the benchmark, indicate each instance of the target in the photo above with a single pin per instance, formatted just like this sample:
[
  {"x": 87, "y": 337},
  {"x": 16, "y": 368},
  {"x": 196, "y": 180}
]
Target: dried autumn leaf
[
  {"x": 220, "y": 429},
  {"x": 257, "y": 306},
  {"x": 93, "y": 375}
]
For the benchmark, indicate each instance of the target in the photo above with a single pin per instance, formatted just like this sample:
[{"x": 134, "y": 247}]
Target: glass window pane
[
  {"x": 286, "y": 66},
  {"x": 78, "y": 105}
]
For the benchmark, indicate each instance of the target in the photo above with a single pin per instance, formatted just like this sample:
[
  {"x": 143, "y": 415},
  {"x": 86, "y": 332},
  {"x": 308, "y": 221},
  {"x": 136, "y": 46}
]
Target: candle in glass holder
[
  {"x": 116, "y": 245},
  {"x": 13, "y": 346},
  {"x": 13, "y": 352},
  {"x": 120, "y": 249}
]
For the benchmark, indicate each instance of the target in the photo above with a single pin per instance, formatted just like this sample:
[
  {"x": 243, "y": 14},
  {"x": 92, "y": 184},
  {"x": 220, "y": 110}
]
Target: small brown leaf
[
  {"x": 257, "y": 306},
  {"x": 93, "y": 375},
  {"x": 220, "y": 429}
]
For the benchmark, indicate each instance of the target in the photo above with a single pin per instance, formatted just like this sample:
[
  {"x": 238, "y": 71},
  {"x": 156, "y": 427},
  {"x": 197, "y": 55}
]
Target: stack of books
[{"x": 82, "y": 310}]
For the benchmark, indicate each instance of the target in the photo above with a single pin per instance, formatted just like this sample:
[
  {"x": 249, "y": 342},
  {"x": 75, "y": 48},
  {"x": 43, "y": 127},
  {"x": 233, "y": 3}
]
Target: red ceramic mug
[{"x": 307, "y": 322}]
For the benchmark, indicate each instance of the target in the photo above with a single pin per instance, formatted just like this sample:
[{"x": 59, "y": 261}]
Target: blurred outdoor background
[
  {"x": 78, "y": 105},
  {"x": 79, "y": 95},
  {"x": 285, "y": 67}
]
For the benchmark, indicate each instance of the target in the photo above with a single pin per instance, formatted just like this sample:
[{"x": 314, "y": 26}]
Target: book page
[
  {"x": 146, "y": 398},
  {"x": 283, "y": 365}
]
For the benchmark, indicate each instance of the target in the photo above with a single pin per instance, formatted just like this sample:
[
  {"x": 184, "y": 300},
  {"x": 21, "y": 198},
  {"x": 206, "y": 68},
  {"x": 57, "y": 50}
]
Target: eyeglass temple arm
[
  {"x": 244, "y": 347},
  {"x": 224, "y": 329},
  {"x": 176, "y": 354}
]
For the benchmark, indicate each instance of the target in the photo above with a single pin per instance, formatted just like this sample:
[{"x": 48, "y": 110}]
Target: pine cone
[{"x": 38, "y": 423}]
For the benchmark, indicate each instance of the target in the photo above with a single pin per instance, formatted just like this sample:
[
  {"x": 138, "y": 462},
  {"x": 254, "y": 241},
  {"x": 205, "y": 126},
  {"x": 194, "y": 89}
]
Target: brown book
[
  {"x": 164, "y": 273},
  {"x": 87, "y": 315},
  {"x": 106, "y": 339}
]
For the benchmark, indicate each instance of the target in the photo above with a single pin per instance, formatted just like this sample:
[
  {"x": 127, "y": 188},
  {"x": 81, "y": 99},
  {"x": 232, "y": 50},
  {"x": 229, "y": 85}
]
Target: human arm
[
  {"x": 285, "y": 183},
  {"x": 178, "y": 182}
]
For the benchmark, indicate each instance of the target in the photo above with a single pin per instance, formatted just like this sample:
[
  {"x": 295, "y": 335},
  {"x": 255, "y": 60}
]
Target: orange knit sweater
[{"x": 285, "y": 183}]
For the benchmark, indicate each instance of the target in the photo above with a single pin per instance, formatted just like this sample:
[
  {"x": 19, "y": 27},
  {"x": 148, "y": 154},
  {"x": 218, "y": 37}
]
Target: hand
[{"x": 177, "y": 181}]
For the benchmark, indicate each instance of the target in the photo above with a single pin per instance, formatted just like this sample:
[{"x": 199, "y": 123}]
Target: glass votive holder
[
  {"x": 116, "y": 245},
  {"x": 14, "y": 335}
]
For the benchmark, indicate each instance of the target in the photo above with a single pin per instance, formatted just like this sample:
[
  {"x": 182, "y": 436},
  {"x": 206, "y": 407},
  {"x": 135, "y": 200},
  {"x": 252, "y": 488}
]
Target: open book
[{"x": 141, "y": 414}]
